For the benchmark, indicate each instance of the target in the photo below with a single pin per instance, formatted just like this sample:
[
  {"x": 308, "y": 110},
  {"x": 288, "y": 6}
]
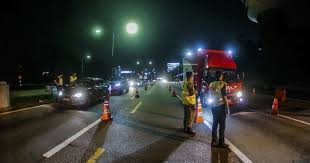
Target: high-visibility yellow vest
[
  {"x": 73, "y": 78},
  {"x": 186, "y": 99},
  {"x": 215, "y": 92}
]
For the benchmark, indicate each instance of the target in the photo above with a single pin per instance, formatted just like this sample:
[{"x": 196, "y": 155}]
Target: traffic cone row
[
  {"x": 174, "y": 93},
  {"x": 275, "y": 106},
  {"x": 253, "y": 92},
  {"x": 199, "y": 118},
  {"x": 145, "y": 87},
  {"x": 137, "y": 93},
  {"x": 106, "y": 114}
]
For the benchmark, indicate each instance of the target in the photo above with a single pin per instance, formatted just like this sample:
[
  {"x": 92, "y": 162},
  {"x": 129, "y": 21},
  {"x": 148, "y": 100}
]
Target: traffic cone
[
  {"x": 174, "y": 94},
  {"x": 253, "y": 92},
  {"x": 199, "y": 118},
  {"x": 170, "y": 88},
  {"x": 275, "y": 106},
  {"x": 137, "y": 93},
  {"x": 106, "y": 114},
  {"x": 145, "y": 87}
]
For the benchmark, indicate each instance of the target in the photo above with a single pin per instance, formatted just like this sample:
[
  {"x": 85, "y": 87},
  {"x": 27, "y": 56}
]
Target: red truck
[{"x": 205, "y": 63}]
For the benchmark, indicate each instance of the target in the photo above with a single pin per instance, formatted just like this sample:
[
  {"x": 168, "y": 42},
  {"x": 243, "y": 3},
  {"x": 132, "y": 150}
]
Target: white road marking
[
  {"x": 132, "y": 97},
  {"x": 148, "y": 93},
  {"x": 136, "y": 108},
  {"x": 69, "y": 140},
  {"x": 232, "y": 147},
  {"x": 25, "y": 109},
  {"x": 298, "y": 100},
  {"x": 293, "y": 119},
  {"x": 179, "y": 97}
]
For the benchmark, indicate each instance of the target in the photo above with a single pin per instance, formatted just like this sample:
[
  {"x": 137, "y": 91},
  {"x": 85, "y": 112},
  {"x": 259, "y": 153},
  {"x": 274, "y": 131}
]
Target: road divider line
[
  {"x": 232, "y": 147},
  {"x": 136, "y": 108},
  {"x": 69, "y": 140},
  {"x": 24, "y": 109},
  {"x": 96, "y": 155},
  {"x": 293, "y": 119}
]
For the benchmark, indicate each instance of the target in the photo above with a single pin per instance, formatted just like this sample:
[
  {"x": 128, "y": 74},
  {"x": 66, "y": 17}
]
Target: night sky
[{"x": 54, "y": 35}]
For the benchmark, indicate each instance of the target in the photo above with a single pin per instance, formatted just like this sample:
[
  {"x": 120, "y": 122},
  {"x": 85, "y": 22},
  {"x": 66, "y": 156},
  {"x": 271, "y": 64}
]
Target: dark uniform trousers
[
  {"x": 219, "y": 119},
  {"x": 189, "y": 116}
]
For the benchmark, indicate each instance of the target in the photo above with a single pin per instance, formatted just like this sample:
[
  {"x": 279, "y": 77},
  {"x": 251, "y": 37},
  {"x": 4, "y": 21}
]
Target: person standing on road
[
  {"x": 189, "y": 101},
  {"x": 218, "y": 102},
  {"x": 73, "y": 78}
]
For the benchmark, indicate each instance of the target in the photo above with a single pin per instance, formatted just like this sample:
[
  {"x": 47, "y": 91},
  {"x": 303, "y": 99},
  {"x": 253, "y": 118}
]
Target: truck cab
[{"x": 204, "y": 65}]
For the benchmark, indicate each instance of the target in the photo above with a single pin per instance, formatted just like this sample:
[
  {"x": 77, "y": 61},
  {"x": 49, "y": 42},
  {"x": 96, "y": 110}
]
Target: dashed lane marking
[
  {"x": 232, "y": 147},
  {"x": 95, "y": 157},
  {"x": 25, "y": 109},
  {"x": 69, "y": 140},
  {"x": 136, "y": 108},
  {"x": 132, "y": 97},
  {"x": 293, "y": 119}
]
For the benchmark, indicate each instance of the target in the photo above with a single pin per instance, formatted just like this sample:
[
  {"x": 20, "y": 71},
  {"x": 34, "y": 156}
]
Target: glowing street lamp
[
  {"x": 150, "y": 63},
  {"x": 199, "y": 50},
  {"x": 189, "y": 53},
  {"x": 132, "y": 28},
  {"x": 138, "y": 62}
]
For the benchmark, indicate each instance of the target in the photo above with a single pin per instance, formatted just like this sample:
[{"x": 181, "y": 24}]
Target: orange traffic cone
[
  {"x": 170, "y": 88},
  {"x": 145, "y": 87},
  {"x": 174, "y": 94},
  {"x": 275, "y": 106},
  {"x": 106, "y": 114},
  {"x": 253, "y": 92},
  {"x": 199, "y": 118},
  {"x": 137, "y": 93}
]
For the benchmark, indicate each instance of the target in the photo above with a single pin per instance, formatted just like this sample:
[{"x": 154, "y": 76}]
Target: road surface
[{"x": 147, "y": 129}]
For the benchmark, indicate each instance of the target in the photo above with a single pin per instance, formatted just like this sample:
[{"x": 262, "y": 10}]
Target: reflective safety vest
[
  {"x": 186, "y": 98},
  {"x": 215, "y": 94},
  {"x": 61, "y": 82},
  {"x": 73, "y": 78}
]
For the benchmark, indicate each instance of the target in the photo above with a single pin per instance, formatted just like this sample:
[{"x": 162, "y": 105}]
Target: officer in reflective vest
[
  {"x": 189, "y": 101},
  {"x": 218, "y": 102}
]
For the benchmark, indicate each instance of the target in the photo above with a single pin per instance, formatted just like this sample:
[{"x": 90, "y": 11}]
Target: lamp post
[{"x": 87, "y": 56}]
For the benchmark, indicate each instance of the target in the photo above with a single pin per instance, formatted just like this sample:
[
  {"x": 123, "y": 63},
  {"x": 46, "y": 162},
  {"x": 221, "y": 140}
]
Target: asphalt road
[{"x": 147, "y": 129}]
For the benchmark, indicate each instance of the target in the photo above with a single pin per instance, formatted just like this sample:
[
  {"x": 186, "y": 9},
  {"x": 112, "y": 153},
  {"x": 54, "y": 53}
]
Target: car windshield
[
  {"x": 229, "y": 75},
  {"x": 84, "y": 83}
]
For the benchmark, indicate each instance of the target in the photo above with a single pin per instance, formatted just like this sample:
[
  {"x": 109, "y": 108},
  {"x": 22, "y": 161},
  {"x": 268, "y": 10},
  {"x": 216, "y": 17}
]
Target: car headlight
[
  {"x": 131, "y": 83},
  {"x": 117, "y": 85},
  {"x": 78, "y": 95},
  {"x": 239, "y": 94},
  {"x": 60, "y": 93}
]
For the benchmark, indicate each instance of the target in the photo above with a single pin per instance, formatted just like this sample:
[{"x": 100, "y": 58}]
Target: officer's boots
[
  {"x": 190, "y": 131},
  {"x": 222, "y": 144}
]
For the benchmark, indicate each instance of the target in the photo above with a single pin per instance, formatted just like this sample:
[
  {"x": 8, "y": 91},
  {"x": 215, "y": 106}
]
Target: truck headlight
[
  {"x": 239, "y": 94},
  {"x": 78, "y": 95},
  {"x": 210, "y": 100},
  {"x": 60, "y": 93}
]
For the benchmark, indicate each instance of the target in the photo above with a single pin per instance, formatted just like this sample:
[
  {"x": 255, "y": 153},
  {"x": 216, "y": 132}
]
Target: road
[{"x": 147, "y": 129}]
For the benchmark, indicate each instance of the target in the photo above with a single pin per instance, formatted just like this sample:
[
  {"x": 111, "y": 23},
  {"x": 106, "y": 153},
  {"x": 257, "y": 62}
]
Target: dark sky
[{"x": 45, "y": 35}]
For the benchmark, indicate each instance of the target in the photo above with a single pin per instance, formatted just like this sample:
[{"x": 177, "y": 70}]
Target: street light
[
  {"x": 199, "y": 50},
  {"x": 87, "y": 56},
  {"x": 138, "y": 62},
  {"x": 150, "y": 63},
  {"x": 97, "y": 31},
  {"x": 132, "y": 28},
  {"x": 189, "y": 53}
]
